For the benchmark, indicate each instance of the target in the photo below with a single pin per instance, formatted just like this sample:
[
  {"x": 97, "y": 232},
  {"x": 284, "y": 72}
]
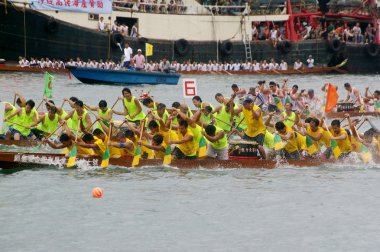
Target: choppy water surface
[{"x": 326, "y": 208}]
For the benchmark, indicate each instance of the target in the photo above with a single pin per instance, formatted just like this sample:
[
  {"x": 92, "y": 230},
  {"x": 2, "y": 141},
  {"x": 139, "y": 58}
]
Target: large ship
[{"x": 191, "y": 31}]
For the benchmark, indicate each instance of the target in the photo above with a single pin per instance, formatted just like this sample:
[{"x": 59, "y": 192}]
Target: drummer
[{"x": 353, "y": 95}]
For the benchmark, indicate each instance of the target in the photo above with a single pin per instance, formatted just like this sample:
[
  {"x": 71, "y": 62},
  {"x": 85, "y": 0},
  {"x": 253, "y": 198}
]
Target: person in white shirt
[
  {"x": 26, "y": 62},
  {"x": 283, "y": 65},
  {"x": 183, "y": 66},
  {"x": 127, "y": 55},
  {"x": 226, "y": 66},
  {"x": 265, "y": 65},
  {"x": 20, "y": 61},
  {"x": 204, "y": 67},
  {"x": 101, "y": 25},
  {"x": 215, "y": 66},
  {"x": 124, "y": 30},
  {"x": 273, "y": 36},
  {"x": 298, "y": 65},
  {"x": 310, "y": 62},
  {"x": 256, "y": 66},
  {"x": 134, "y": 31}
]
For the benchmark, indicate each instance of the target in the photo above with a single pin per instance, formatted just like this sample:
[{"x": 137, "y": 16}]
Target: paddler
[
  {"x": 49, "y": 122},
  {"x": 222, "y": 114},
  {"x": 289, "y": 117},
  {"x": 127, "y": 143},
  {"x": 158, "y": 146},
  {"x": 95, "y": 141},
  {"x": 104, "y": 114},
  {"x": 239, "y": 92},
  {"x": 132, "y": 107},
  {"x": 186, "y": 145},
  {"x": 315, "y": 133},
  {"x": 206, "y": 107},
  {"x": 25, "y": 116},
  {"x": 67, "y": 142},
  {"x": 353, "y": 95},
  {"x": 218, "y": 144},
  {"x": 340, "y": 135},
  {"x": 84, "y": 124},
  {"x": 254, "y": 120},
  {"x": 287, "y": 134},
  {"x": 9, "y": 109}
]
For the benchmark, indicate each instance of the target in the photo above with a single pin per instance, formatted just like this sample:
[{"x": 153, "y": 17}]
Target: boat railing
[{"x": 178, "y": 7}]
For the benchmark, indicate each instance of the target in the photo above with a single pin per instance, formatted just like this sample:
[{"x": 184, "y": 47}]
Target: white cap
[{"x": 139, "y": 50}]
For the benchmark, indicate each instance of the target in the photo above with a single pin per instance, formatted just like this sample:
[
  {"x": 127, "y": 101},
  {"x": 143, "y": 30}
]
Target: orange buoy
[{"x": 97, "y": 192}]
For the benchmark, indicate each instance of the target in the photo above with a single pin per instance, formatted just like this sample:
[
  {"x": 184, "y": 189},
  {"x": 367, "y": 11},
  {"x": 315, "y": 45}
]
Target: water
[{"x": 326, "y": 208}]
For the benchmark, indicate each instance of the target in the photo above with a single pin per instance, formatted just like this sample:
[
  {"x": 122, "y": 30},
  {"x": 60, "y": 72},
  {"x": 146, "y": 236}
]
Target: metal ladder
[{"x": 247, "y": 44}]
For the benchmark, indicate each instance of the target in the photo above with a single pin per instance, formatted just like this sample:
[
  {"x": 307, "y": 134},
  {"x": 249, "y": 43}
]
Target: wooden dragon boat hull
[
  {"x": 10, "y": 68},
  {"x": 11, "y": 160},
  {"x": 334, "y": 115},
  {"x": 320, "y": 70}
]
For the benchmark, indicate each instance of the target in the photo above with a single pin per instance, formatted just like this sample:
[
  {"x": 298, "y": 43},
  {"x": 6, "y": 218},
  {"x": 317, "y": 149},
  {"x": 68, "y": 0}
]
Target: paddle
[
  {"x": 220, "y": 120},
  {"x": 106, "y": 155},
  {"x": 39, "y": 145},
  {"x": 115, "y": 103},
  {"x": 230, "y": 133},
  {"x": 63, "y": 103},
  {"x": 73, "y": 152},
  {"x": 2, "y": 112},
  {"x": 137, "y": 155},
  {"x": 168, "y": 155},
  {"x": 39, "y": 105}
]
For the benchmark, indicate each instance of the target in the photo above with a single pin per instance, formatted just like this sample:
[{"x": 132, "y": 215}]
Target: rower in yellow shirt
[
  {"x": 254, "y": 120},
  {"x": 287, "y": 134},
  {"x": 92, "y": 142},
  {"x": 186, "y": 146},
  {"x": 218, "y": 144},
  {"x": 104, "y": 113},
  {"x": 158, "y": 146},
  {"x": 67, "y": 142},
  {"x": 24, "y": 117},
  {"x": 342, "y": 139},
  {"x": 132, "y": 107}
]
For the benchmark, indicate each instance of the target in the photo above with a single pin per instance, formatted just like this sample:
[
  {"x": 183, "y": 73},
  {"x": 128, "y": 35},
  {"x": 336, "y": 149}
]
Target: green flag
[
  {"x": 287, "y": 100},
  {"x": 48, "y": 90}
]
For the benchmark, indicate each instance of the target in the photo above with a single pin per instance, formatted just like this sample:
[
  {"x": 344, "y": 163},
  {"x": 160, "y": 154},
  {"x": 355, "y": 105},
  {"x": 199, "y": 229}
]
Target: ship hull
[{"x": 47, "y": 37}]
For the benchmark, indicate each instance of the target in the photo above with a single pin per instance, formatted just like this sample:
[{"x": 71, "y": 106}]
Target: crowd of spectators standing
[
  {"x": 154, "y": 6},
  {"x": 164, "y": 65},
  {"x": 333, "y": 30}
]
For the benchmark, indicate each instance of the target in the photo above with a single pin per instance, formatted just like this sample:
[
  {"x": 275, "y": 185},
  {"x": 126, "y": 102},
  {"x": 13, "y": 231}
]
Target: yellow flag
[{"x": 148, "y": 49}]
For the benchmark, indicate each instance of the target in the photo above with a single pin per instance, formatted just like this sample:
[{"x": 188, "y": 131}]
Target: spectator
[
  {"x": 358, "y": 37},
  {"x": 307, "y": 31},
  {"x": 347, "y": 34},
  {"x": 115, "y": 27},
  {"x": 134, "y": 32},
  {"x": 165, "y": 66},
  {"x": 255, "y": 33},
  {"x": 273, "y": 36},
  {"x": 127, "y": 55},
  {"x": 310, "y": 62},
  {"x": 298, "y": 65},
  {"x": 102, "y": 25},
  {"x": 124, "y": 30},
  {"x": 369, "y": 34},
  {"x": 139, "y": 60}
]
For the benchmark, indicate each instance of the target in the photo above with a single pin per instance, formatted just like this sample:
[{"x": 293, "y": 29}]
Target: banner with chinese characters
[{"x": 88, "y": 6}]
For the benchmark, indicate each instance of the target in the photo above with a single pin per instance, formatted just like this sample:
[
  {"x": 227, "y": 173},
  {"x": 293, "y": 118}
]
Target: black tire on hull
[
  {"x": 372, "y": 49},
  {"x": 117, "y": 38},
  {"x": 52, "y": 26},
  {"x": 335, "y": 45},
  {"x": 284, "y": 46},
  {"x": 181, "y": 47},
  {"x": 226, "y": 48}
]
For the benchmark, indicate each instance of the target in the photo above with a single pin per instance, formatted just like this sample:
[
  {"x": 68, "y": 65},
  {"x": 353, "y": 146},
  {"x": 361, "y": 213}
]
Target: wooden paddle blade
[{"x": 72, "y": 157}]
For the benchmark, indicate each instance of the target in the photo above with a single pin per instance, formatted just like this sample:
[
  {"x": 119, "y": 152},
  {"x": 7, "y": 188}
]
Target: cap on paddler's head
[{"x": 247, "y": 100}]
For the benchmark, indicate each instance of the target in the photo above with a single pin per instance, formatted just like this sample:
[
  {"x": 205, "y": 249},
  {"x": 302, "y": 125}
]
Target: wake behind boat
[{"x": 105, "y": 76}]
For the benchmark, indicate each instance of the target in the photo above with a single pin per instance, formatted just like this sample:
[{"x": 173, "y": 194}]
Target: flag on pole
[
  {"x": 148, "y": 49},
  {"x": 335, "y": 148},
  {"x": 168, "y": 155},
  {"x": 278, "y": 103},
  {"x": 202, "y": 147},
  {"x": 48, "y": 90},
  {"x": 278, "y": 144},
  {"x": 323, "y": 105},
  {"x": 137, "y": 156},
  {"x": 310, "y": 146},
  {"x": 105, "y": 158},
  {"x": 332, "y": 98},
  {"x": 72, "y": 157},
  {"x": 366, "y": 155}
]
